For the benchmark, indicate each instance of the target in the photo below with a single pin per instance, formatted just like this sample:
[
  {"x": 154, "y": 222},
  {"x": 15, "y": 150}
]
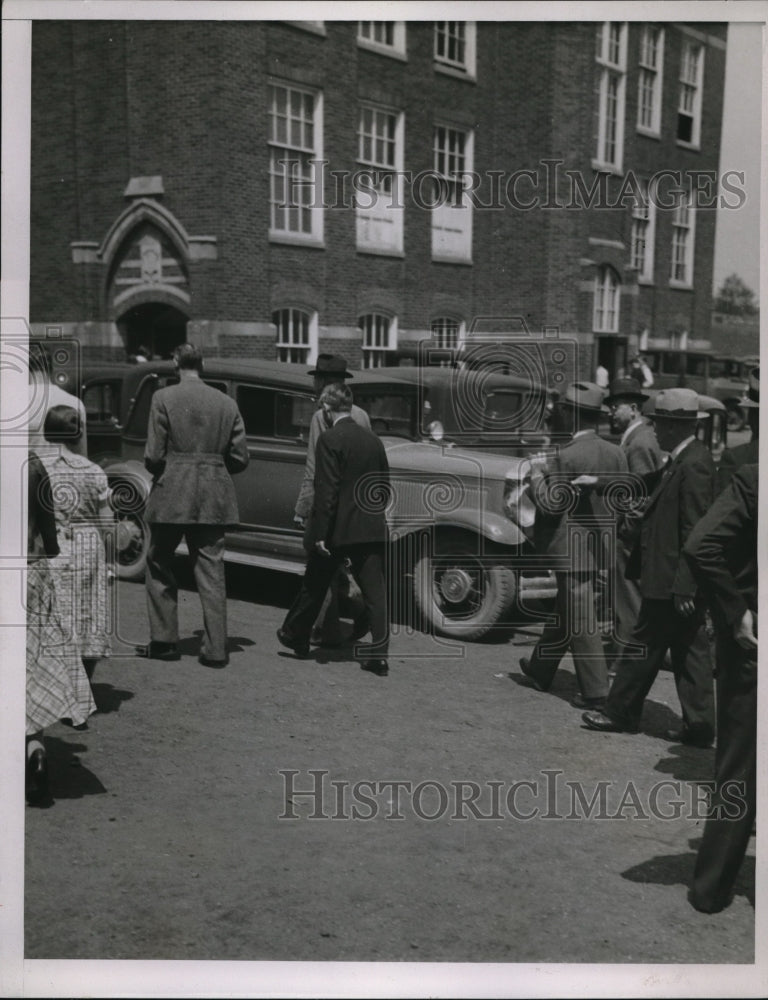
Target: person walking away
[
  {"x": 347, "y": 522},
  {"x": 644, "y": 457},
  {"x": 671, "y": 612},
  {"x": 195, "y": 443},
  {"x": 587, "y": 464},
  {"x": 743, "y": 454},
  {"x": 330, "y": 369},
  {"x": 57, "y": 686},
  {"x": 45, "y": 394},
  {"x": 84, "y": 520},
  {"x": 640, "y": 372},
  {"x": 722, "y": 554}
]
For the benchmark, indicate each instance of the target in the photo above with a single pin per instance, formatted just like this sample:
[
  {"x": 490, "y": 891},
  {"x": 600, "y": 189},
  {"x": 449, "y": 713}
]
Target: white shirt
[
  {"x": 633, "y": 426},
  {"x": 683, "y": 444}
]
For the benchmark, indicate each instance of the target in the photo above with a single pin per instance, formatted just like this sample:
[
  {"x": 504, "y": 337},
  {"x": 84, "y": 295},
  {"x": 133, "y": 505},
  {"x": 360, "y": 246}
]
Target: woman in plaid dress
[
  {"x": 57, "y": 685},
  {"x": 83, "y": 518}
]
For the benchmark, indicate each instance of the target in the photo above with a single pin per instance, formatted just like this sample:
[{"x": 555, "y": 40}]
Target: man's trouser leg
[
  {"x": 725, "y": 839},
  {"x": 544, "y": 662},
  {"x": 304, "y": 610},
  {"x": 368, "y": 569},
  {"x": 586, "y": 640},
  {"x": 626, "y": 607},
  {"x": 162, "y": 592},
  {"x": 692, "y": 665},
  {"x": 635, "y": 675},
  {"x": 206, "y": 550}
]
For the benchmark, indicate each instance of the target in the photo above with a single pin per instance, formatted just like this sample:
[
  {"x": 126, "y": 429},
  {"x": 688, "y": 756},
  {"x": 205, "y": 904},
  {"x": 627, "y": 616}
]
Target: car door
[{"x": 101, "y": 398}]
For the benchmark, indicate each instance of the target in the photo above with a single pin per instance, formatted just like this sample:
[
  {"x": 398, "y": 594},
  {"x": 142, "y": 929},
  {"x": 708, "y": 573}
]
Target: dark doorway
[
  {"x": 155, "y": 326},
  {"x": 612, "y": 354}
]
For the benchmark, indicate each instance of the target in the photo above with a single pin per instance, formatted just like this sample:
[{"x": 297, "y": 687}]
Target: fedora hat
[
  {"x": 586, "y": 396},
  {"x": 331, "y": 364},
  {"x": 677, "y": 404},
  {"x": 625, "y": 388},
  {"x": 752, "y": 398}
]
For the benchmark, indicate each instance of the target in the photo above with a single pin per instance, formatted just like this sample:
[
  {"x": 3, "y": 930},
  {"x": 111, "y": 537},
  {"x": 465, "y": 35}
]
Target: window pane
[{"x": 257, "y": 407}]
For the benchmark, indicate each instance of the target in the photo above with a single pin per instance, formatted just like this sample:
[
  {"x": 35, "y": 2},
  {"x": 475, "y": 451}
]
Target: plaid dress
[{"x": 79, "y": 572}]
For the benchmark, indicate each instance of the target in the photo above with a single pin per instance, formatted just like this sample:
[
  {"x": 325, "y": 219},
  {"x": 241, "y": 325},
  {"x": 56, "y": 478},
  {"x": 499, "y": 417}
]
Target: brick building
[{"x": 283, "y": 188}]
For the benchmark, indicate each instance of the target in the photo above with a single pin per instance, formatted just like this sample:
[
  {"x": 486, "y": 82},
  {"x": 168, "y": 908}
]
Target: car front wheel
[
  {"x": 458, "y": 592},
  {"x": 131, "y": 547}
]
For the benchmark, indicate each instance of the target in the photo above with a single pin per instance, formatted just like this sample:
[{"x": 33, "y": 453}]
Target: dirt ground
[{"x": 165, "y": 840}]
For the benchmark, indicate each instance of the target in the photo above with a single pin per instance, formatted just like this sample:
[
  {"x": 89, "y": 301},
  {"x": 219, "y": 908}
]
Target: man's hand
[
  {"x": 320, "y": 546},
  {"x": 684, "y": 606},
  {"x": 584, "y": 480},
  {"x": 301, "y": 521},
  {"x": 744, "y": 631}
]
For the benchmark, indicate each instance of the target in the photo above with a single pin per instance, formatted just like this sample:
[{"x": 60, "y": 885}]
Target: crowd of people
[{"x": 682, "y": 543}]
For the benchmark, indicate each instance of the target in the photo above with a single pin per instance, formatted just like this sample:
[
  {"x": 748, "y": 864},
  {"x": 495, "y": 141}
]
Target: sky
[{"x": 737, "y": 241}]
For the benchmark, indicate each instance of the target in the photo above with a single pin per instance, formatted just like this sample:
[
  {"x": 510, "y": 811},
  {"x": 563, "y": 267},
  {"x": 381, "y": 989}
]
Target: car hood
[{"x": 432, "y": 458}]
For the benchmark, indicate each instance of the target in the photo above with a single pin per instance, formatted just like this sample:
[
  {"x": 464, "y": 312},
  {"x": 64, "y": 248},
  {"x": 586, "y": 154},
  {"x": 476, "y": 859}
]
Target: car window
[
  {"x": 696, "y": 364},
  {"x": 389, "y": 412},
  {"x": 257, "y": 408},
  {"x": 102, "y": 402},
  {"x": 293, "y": 415}
]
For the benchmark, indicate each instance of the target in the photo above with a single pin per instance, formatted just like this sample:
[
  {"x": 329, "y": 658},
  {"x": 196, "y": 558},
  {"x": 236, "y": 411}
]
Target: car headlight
[{"x": 518, "y": 505}]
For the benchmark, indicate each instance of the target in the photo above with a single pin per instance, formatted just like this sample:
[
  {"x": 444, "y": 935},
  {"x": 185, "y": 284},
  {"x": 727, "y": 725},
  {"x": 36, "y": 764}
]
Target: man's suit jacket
[
  {"x": 733, "y": 459},
  {"x": 587, "y": 454},
  {"x": 196, "y": 439},
  {"x": 683, "y": 494},
  {"x": 722, "y": 548},
  {"x": 351, "y": 488},
  {"x": 317, "y": 427},
  {"x": 642, "y": 450}
]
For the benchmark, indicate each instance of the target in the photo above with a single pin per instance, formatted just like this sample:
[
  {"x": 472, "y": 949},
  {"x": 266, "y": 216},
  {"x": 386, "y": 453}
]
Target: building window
[
  {"x": 446, "y": 333},
  {"x": 611, "y": 56},
  {"x": 379, "y": 339},
  {"x": 607, "y": 287},
  {"x": 383, "y": 36},
  {"x": 453, "y": 151},
  {"x": 689, "y": 101},
  {"x": 295, "y": 151},
  {"x": 683, "y": 227},
  {"x": 649, "y": 79},
  {"x": 379, "y": 200},
  {"x": 643, "y": 234},
  {"x": 455, "y": 45},
  {"x": 296, "y": 335}
]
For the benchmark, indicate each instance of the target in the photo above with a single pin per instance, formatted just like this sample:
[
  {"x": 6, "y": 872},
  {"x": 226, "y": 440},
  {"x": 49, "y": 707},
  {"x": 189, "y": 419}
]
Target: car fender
[{"x": 493, "y": 527}]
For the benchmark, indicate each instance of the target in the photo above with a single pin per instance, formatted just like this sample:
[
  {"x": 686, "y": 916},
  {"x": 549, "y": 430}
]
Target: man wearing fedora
[
  {"x": 744, "y": 454},
  {"x": 573, "y": 478},
  {"x": 671, "y": 613},
  {"x": 641, "y": 449},
  {"x": 330, "y": 369}
]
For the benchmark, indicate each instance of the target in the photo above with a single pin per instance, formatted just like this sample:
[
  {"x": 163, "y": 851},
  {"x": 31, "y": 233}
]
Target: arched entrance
[{"x": 157, "y": 326}]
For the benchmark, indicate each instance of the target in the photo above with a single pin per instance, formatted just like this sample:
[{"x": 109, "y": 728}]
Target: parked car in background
[
  {"x": 722, "y": 377},
  {"x": 459, "y": 521}
]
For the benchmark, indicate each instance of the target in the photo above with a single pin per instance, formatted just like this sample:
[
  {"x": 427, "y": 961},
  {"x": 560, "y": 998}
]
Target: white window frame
[
  {"x": 377, "y": 327},
  {"x": 643, "y": 236},
  {"x": 452, "y": 217},
  {"x": 611, "y": 58},
  {"x": 650, "y": 79},
  {"x": 690, "y": 90},
  {"x": 395, "y": 49},
  {"x": 607, "y": 301},
  {"x": 309, "y": 156},
  {"x": 444, "y": 31},
  {"x": 683, "y": 241},
  {"x": 380, "y": 206},
  {"x": 294, "y": 347}
]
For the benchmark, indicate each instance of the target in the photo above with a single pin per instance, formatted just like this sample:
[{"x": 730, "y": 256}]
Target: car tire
[
  {"x": 132, "y": 545},
  {"x": 735, "y": 418},
  {"x": 458, "y": 593}
]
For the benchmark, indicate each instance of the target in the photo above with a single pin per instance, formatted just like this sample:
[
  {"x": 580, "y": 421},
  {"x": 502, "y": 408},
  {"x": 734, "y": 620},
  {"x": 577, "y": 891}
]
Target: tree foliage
[{"x": 736, "y": 298}]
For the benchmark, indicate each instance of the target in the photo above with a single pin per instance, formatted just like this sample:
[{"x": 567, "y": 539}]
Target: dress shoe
[
  {"x": 208, "y": 662},
  {"x": 378, "y": 667},
  {"x": 602, "y": 724},
  {"x": 525, "y": 665},
  {"x": 286, "y": 639},
  {"x": 159, "y": 651},
  {"x": 689, "y": 738},
  {"x": 37, "y": 775},
  {"x": 579, "y": 701}
]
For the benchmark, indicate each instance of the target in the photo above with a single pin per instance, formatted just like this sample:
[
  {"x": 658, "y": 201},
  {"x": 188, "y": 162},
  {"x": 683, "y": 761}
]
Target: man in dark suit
[
  {"x": 641, "y": 449},
  {"x": 347, "y": 522},
  {"x": 671, "y": 614},
  {"x": 196, "y": 440},
  {"x": 578, "y": 471},
  {"x": 744, "y": 454},
  {"x": 722, "y": 553}
]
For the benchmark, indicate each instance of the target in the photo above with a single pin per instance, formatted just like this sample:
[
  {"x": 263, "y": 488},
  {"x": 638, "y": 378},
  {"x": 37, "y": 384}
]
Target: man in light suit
[
  {"x": 641, "y": 449},
  {"x": 585, "y": 465},
  {"x": 722, "y": 553},
  {"x": 347, "y": 521},
  {"x": 749, "y": 453},
  {"x": 671, "y": 614},
  {"x": 196, "y": 439}
]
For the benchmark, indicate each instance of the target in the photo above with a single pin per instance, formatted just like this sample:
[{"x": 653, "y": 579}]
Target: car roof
[{"x": 431, "y": 376}]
